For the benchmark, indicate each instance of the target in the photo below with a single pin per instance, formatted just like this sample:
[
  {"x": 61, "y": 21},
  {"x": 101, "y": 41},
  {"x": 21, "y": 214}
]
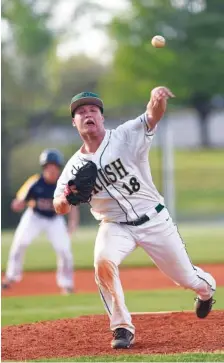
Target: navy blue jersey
[{"x": 39, "y": 195}]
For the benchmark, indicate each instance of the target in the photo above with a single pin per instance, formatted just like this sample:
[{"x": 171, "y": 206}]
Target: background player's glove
[{"x": 79, "y": 189}]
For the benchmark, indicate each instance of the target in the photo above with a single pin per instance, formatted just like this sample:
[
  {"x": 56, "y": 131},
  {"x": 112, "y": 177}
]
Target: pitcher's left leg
[
  {"x": 168, "y": 251},
  {"x": 59, "y": 237}
]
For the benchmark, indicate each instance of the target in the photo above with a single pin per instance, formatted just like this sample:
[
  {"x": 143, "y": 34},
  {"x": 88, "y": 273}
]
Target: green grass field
[
  {"x": 204, "y": 245},
  {"x": 199, "y": 187},
  {"x": 19, "y": 310},
  {"x": 193, "y": 357},
  {"x": 199, "y": 176}
]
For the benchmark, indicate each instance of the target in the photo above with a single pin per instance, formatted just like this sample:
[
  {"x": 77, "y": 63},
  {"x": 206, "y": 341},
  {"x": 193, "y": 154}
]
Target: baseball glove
[{"x": 79, "y": 189}]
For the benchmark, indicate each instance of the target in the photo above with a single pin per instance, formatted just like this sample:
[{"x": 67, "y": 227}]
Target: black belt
[{"x": 144, "y": 218}]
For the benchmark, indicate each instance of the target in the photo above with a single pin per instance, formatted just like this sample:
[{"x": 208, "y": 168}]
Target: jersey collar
[{"x": 100, "y": 148}]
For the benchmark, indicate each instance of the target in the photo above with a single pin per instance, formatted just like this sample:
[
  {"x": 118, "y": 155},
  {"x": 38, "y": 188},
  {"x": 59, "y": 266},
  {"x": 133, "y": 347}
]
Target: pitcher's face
[{"x": 88, "y": 119}]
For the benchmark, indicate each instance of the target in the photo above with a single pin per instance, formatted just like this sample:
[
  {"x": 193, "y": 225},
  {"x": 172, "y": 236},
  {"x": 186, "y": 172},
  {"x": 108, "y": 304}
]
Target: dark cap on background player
[{"x": 51, "y": 156}]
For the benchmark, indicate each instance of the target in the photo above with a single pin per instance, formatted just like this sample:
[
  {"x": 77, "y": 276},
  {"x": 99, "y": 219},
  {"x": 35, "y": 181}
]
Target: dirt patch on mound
[
  {"x": 90, "y": 335},
  {"x": 144, "y": 278}
]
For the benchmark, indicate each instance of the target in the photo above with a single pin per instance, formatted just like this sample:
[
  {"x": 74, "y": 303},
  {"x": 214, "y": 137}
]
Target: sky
[{"x": 83, "y": 36}]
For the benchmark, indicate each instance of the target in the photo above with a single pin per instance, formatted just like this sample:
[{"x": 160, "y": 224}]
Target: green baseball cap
[{"x": 85, "y": 98}]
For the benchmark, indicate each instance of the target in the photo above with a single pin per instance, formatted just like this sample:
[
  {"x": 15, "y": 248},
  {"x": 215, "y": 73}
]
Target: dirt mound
[{"x": 90, "y": 335}]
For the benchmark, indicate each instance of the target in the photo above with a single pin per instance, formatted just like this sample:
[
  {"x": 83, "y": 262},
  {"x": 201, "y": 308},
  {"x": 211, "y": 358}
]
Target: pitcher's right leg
[{"x": 113, "y": 244}]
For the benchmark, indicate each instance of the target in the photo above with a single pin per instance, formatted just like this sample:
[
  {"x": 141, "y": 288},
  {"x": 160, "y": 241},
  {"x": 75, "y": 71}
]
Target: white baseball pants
[
  {"x": 29, "y": 227},
  {"x": 160, "y": 239}
]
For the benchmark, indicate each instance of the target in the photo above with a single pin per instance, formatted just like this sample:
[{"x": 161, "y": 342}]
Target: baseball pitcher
[
  {"x": 111, "y": 172},
  {"x": 37, "y": 194}
]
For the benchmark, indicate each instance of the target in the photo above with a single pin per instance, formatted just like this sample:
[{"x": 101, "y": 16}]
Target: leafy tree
[
  {"x": 191, "y": 64},
  {"x": 74, "y": 75},
  {"x": 36, "y": 85},
  {"x": 24, "y": 81}
]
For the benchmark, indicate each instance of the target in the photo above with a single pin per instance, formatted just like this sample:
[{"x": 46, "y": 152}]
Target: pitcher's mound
[{"x": 89, "y": 335}]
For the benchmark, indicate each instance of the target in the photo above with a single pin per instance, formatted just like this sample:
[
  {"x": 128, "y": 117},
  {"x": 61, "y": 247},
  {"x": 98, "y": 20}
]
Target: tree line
[{"x": 37, "y": 85}]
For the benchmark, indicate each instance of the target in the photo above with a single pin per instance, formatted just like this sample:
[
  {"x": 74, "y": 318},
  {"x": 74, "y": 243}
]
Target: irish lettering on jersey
[{"x": 124, "y": 189}]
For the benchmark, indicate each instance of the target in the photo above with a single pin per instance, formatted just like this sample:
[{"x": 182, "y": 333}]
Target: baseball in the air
[{"x": 158, "y": 41}]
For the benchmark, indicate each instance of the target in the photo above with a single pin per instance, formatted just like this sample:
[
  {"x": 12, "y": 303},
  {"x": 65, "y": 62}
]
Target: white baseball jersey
[{"x": 124, "y": 188}]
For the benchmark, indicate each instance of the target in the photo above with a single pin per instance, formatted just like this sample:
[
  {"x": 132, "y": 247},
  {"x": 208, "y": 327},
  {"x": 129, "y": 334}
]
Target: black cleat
[
  {"x": 123, "y": 339},
  {"x": 5, "y": 285},
  {"x": 203, "y": 308},
  {"x": 67, "y": 291}
]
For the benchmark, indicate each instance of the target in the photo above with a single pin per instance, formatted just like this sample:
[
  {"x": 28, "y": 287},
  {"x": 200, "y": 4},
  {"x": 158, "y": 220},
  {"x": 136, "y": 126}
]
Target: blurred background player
[{"x": 37, "y": 195}]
